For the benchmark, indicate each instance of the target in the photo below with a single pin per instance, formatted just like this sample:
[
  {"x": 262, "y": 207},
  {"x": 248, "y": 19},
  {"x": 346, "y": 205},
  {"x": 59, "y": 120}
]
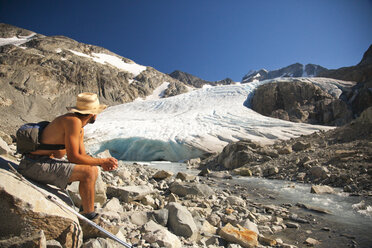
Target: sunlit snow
[
  {"x": 17, "y": 41},
  {"x": 187, "y": 125},
  {"x": 117, "y": 62}
]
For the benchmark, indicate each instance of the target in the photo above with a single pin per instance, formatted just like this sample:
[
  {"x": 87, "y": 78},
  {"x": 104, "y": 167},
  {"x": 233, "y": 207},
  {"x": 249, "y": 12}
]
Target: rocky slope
[
  {"x": 360, "y": 73},
  {"x": 40, "y": 76},
  {"x": 341, "y": 157},
  {"x": 294, "y": 99},
  {"x": 197, "y": 82},
  {"x": 304, "y": 100},
  {"x": 294, "y": 70}
]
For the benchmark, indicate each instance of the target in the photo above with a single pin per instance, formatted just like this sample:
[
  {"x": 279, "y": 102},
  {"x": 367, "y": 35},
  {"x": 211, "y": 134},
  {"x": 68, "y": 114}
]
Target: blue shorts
[{"x": 46, "y": 170}]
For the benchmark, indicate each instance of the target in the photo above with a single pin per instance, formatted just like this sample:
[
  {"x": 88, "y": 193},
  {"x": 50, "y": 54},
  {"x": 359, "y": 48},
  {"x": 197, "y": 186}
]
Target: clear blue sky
[{"x": 212, "y": 39}]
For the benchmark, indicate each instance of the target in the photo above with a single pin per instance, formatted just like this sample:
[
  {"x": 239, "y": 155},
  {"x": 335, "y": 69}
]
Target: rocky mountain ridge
[
  {"x": 294, "y": 70},
  {"x": 40, "y": 76},
  {"x": 197, "y": 82}
]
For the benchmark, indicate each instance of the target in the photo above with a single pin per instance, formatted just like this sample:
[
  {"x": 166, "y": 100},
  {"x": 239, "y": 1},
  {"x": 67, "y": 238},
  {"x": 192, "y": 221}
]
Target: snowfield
[{"x": 188, "y": 125}]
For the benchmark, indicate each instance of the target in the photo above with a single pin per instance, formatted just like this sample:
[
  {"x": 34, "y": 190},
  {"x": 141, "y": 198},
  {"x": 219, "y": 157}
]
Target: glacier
[{"x": 191, "y": 124}]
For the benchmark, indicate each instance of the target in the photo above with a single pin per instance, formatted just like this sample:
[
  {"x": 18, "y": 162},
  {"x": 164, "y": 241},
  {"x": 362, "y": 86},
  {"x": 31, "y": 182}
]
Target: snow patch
[
  {"x": 117, "y": 62},
  {"x": 17, "y": 41}
]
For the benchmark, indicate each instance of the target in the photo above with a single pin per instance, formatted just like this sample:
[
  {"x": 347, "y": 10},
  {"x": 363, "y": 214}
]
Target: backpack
[{"x": 28, "y": 138}]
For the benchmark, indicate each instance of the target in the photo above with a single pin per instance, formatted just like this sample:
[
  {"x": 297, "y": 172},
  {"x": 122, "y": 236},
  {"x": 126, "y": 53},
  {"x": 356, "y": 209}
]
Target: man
[{"x": 67, "y": 130}]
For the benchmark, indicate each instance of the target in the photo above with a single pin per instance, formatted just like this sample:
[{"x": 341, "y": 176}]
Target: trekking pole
[{"x": 82, "y": 217}]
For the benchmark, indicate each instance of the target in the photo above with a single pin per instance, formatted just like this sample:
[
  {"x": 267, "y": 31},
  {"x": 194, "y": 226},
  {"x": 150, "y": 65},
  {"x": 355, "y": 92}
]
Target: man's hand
[{"x": 110, "y": 164}]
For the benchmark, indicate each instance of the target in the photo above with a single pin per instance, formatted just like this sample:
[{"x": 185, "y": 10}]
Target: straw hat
[{"x": 87, "y": 103}]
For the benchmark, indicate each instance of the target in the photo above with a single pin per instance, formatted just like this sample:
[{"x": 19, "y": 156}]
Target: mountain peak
[{"x": 294, "y": 70}]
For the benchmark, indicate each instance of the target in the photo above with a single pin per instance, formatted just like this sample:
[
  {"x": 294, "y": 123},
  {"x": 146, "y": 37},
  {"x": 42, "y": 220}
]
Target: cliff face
[
  {"x": 40, "y": 76},
  {"x": 360, "y": 73}
]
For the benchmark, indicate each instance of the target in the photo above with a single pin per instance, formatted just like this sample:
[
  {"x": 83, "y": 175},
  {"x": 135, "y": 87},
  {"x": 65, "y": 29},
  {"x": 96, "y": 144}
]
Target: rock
[
  {"x": 204, "y": 172},
  {"x": 311, "y": 241},
  {"x": 25, "y": 209},
  {"x": 285, "y": 150},
  {"x": 53, "y": 244},
  {"x": 313, "y": 208},
  {"x": 101, "y": 242},
  {"x": 314, "y": 101},
  {"x": 139, "y": 218},
  {"x": 161, "y": 216},
  {"x": 4, "y": 148},
  {"x": 129, "y": 193},
  {"x": 185, "y": 177},
  {"x": 123, "y": 174},
  {"x": 113, "y": 205},
  {"x": 6, "y": 138},
  {"x": 193, "y": 163},
  {"x": 292, "y": 225},
  {"x": 300, "y": 146},
  {"x": 234, "y": 200},
  {"x": 155, "y": 233},
  {"x": 220, "y": 174},
  {"x": 320, "y": 172},
  {"x": 249, "y": 225},
  {"x": 243, "y": 171},
  {"x": 240, "y": 235},
  {"x": 267, "y": 241},
  {"x": 36, "y": 239},
  {"x": 321, "y": 189},
  {"x": 92, "y": 232},
  {"x": 183, "y": 189},
  {"x": 180, "y": 221},
  {"x": 160, "y": 175},
  {"x": 301, "y": 176},
  {"x": 207, "y": 229}
]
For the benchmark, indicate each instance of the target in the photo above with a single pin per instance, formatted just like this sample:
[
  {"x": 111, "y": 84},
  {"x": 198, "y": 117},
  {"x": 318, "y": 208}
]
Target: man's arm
[{"x": 75, "y": 148}]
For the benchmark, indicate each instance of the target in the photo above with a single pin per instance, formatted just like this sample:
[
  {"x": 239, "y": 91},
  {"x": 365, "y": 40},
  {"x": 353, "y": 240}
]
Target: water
[{"x": 342, "y": 207}]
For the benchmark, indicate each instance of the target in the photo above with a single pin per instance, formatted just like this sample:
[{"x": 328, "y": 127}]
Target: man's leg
[{"x": 87, "y": 176}]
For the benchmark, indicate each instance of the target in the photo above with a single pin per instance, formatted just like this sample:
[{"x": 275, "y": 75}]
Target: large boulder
[
  {"x": 24, "y": 209},
  {"x": 298, "y": 100},
  {"x": 181, "y": 222},
  {"x": 184, "y": 189},
  {"x": 155, "y": 233}
]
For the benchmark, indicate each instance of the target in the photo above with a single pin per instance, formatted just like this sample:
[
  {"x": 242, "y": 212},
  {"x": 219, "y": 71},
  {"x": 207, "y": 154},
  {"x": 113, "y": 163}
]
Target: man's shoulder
[{"x": 69, "y": 120}]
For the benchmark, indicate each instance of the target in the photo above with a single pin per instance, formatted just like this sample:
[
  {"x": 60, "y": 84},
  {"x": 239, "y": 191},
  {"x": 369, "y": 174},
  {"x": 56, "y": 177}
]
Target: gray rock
[
  {"x": 180, "y": 221},
  {"x": 234, "y": 200},
  {"x": 321, "y": 189},
  {"x": 160, "y": 175},
  {"x": 25, "y": 209},
  {"x": 113, "y": 205},
  {"x": 36, "y": 239},
  {"x": 4, "y": 148},
  {"x": 155, "y": 233},
  {"x": 160, "y": 216},
  {"x": 319, "y": 172},
  {"x": 185, "y": 177},
  {"x": 139, "y": 218},
  {"x": 129, "y": 193},
  {"x": 300, "y": 146},
  {"x": 183, "y": 189},
  {"x": 249, "y": 225}
]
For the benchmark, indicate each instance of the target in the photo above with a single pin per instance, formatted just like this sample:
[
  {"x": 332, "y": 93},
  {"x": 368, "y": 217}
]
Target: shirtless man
[{"x": 46, "y": 166}]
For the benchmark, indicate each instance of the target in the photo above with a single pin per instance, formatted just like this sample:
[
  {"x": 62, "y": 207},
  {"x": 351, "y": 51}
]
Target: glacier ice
[{"x": 187, "y": 125}]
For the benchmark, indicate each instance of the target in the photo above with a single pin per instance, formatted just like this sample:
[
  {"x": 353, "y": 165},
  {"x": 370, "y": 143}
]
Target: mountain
[
  {"x": 361, "y": 73},
  {"x": 294, "y": 70},
  {"x": 41, "y": 75},
  {"x": 197, "y": 82}
]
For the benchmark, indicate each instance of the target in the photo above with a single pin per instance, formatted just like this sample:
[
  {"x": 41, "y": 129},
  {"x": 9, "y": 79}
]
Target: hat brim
[{"x": 87, "y": 111}]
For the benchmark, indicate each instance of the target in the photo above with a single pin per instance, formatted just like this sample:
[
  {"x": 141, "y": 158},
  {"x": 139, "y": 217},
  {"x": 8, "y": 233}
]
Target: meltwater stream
[{"x": 345, "y": 210}]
